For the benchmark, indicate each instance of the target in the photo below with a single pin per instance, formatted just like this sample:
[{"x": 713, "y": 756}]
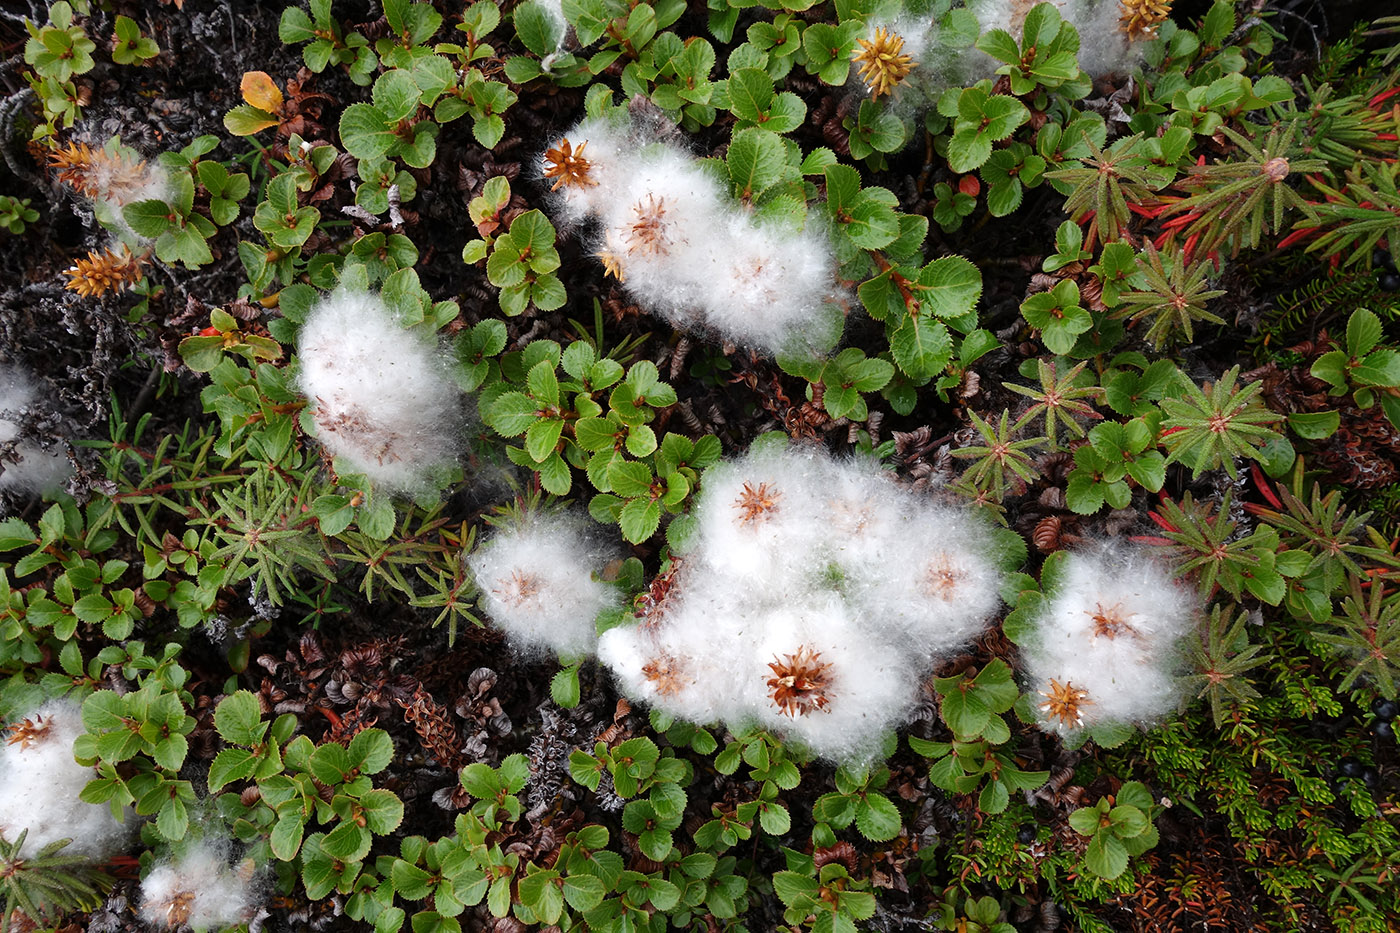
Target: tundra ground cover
[{"x": 613, "y": 465}]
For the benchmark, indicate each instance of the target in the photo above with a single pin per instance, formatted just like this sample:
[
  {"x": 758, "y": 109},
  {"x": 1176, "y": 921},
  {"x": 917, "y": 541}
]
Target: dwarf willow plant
[{"x": 772, "y": 608}]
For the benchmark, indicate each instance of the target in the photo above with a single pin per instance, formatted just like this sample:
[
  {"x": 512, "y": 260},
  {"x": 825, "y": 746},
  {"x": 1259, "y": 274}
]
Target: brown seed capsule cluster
[
  {"x": 98, "y": 173},
  {"x": 106, "y": 271},
  {"x": 882, "y": 62},
  {"x": 1110, "y": 622},
  {"x": 756, "y": 505},
  {"x": 29, "y": 732},
  {"x": 567, "y": 166},
  {"x": 800, "y": 683},
  {"x": 1064, "y": 702},
  {"x": 649, "y": 233},
  {"x": 666, "y": 673},
  {"x": 941, "y": 578},
  {"x": 1141, "y": 18}
]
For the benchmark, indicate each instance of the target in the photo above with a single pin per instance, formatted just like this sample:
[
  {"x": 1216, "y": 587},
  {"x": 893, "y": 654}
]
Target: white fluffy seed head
[
  {"x": 850, "y": 687},
  {"x": 40, "y": 782},
  {"x": 538, "y": 584},
  {"x": 1112, "y": 628},
  {"x": 667, "y": 228},
  {"x": 1115, "y": 592},
  {"x": 37, "y": 470},
  {"x": 770, "y": 287},
  {"x": 1103, "y": 48},
  {"x": 199, "y": 889},
  {"x": 605, "y": 145},
  {"x": 935, "y": 586},
  {"x": 818, "y": 567},
  {"x": 379, "y": 396},
  {"x": 686, "y": 250},
  {"x": 694, "y": 665},
  {"x": 758, "y": 520}
]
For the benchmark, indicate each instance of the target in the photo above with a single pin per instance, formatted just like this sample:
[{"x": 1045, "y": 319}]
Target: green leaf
[
  {"x": 750, "y": 93},
  {"x": 348, "y": 842},
  {"x": 1381, "y": 368},
  {"x": 15, "y": 533},
  {"x": 564, "y": 687},
  {"x": 921, "y": 347},
  {"x": 1315, "y": 426},
  {"x": 246, "y": 120},
  {"x": 540, "y": 32},
  {"x": 639, "y": 520},
  {"x": 172, "y": 820},
  {"x": 396, "y": 96},
  {"x": 630, "y": 479},
  {"x": 1085, "y": 821},
  {"x": 542, "y": 437},
  {"x": 511, "y": 414},
  {"x": 148, "y": 218},
  {"x": 1106, "y": 856},
  {"x": 584, "y": 892},
  {"x": 1331, "y": 368},
  {"x": 231, "y": 764},
  {"x": 555, "y": 475},
  {"x": 641, "y": 440},
  {"x": 949, "y": 287},
  {"x": 318, "y": 870},
  {"x": 238, "y": 718},
  {"x": 993, "y": 798},
  {"x": 372, "y": 750},
  {"x": 383, "y": 811},
  {"x": 295, "y": 26},
  {"x": 480, "y": 780},
  {"x": 1363, "y": 333},
  {"x": 756, "y": 159},
  {"x": 286, "y": 834},
  {"x": 366, "y": 133},
  {"x": 871, "y": 223},
  {"x": 999, "y": 44},
  {"x": 877, "y": 818},
  {"x": 410, "y": 882},
  {"x": 792, "y": 888}
]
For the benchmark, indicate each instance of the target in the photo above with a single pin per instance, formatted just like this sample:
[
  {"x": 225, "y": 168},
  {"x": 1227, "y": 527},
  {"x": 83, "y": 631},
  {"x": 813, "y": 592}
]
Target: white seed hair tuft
[
  {"x": 379, "y": 396},
  {"x": 687, "y": 251},
  {"x": 803, "y": 604},
  {"x": 538, "y": 583},
  {"x": 199, "y": 889},
  {"x": 37, "y": 470},
  {"x": 40, "y": 782},
  {"x": 1112, "y": 629}
]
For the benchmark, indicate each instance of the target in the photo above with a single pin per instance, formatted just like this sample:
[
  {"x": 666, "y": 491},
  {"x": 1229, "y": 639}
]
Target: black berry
[
  {"x": 1382, "y": 258},
  {"x": 1389, "y": 282},
  {"x": 1383, "y": 730},
  {"x": 1369, "y": 778},
  {"x": 1384, "y": 710},
  {"x": 1349, "y": 767},
  {"x": 1026, "y": 835}
]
